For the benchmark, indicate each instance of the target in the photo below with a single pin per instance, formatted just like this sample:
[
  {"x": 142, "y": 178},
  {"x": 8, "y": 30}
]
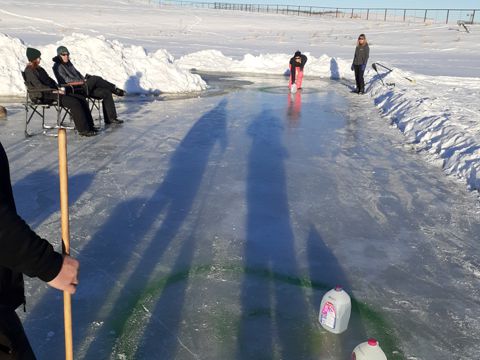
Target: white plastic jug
[
  {"x": 369, "y": 350},
  {"x": 335, "y": 310}
]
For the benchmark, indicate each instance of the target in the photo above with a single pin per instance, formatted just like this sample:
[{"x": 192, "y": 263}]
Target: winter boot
[{"x": 119, "y": 92}]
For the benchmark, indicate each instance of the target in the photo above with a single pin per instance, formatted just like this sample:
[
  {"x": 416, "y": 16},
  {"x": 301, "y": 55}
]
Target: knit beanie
[
  {"x": 298, "y": 53},
  {"x": 33, "y": 54},
  {"x": 62, "y": 50}
]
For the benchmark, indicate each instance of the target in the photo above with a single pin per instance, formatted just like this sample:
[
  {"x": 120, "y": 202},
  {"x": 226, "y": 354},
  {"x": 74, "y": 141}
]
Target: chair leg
[
  {"x": 96, "y": 104},
  {"x": 32, "y": 109},
  {"x": 67, "y": 113},
  {"x": 26, "y": 120}
]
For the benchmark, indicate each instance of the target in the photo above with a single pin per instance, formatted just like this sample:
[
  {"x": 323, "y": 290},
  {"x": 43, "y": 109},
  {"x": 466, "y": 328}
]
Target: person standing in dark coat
[
  {"x": 360, "y": 59},
  {"x": 22, "y": 251},
  {"x": 297, "y": 63},
  {"x": 37, "y": 78},
  {"x": 95, "y": 86}
]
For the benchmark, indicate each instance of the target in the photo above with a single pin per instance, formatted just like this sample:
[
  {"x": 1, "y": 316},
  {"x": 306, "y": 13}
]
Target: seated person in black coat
[
  {"x": 95, "y": 86},
  {"x": 37, "y": 78}
]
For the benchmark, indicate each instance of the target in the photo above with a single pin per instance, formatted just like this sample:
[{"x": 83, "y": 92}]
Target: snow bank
[
  {"x": 434, "y": 112},
  {"x": 12, "y": 63},
  {"x": 438, "y": 114},
  {"x": 277, "y": 64},
  {"x": 423, "y": 110},
  {"x": 130, "y": 67}
]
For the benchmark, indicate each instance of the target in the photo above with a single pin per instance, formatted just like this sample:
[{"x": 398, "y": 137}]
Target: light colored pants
[{"x": 298, "y": 78}]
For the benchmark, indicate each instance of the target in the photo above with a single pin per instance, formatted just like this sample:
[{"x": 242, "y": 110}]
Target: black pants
[
  {"x": 78, "y": 106},
  {"x": 14, "y": 344},
  {"x": 102, "y": 89},
  {"x": 80, "y": 112},
  {"x": 359, "y": 77}
]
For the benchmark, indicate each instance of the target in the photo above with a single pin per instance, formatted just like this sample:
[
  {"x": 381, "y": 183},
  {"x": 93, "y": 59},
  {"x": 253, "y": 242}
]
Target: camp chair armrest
[
  {"x": 75, "y": 87},
  {"x": 42, "y": 90}
]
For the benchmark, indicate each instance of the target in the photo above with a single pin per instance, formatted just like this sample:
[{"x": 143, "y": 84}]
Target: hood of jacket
[{"x": 57, "y": 60}]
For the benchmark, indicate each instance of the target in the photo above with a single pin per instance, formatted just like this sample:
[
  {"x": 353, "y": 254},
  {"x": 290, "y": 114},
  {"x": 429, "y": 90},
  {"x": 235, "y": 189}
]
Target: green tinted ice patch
[{"x": 131, "y": 325}]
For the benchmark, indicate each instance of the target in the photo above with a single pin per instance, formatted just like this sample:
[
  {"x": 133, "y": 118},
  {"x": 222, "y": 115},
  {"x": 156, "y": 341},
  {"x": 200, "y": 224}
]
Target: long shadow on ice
[
  {"x": 37, "y": 194},
  {"x": 165, "y": 303},
  {"x": 127, "y": 308},
  {"x": 118, "y": 261},
  {"x": 274, "y": 317},
  {"x": 325, "y": 273}
]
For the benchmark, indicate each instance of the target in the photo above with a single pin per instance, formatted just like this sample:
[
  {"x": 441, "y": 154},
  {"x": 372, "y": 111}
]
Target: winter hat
[
  {"x": 33, "y": 54},
  {"x": 298, "y": 53},
  {"x": 62, "y": 50}
]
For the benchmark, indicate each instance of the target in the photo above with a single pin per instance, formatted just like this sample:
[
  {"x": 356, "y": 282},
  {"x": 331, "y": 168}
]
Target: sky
[{"x": 414, "y": 4}]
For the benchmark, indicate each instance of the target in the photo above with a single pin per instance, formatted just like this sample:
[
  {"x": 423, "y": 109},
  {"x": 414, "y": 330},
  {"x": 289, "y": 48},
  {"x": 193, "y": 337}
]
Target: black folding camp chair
[
  {"x": 37, "y": 107},
  {"x": 93, "y": 102}
]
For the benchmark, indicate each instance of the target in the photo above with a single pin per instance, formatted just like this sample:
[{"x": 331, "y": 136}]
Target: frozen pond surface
[{"x": 210, "y": 228}]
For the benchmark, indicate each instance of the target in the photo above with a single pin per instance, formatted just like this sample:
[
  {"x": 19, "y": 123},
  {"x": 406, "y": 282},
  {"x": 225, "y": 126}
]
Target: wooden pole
[{"x": 63, "y": 172}]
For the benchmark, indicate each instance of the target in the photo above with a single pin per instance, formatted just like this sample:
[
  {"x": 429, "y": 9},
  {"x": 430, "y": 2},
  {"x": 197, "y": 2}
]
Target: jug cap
[
  {"x": 338, "y": 288},
  {"x": 372, "y": 342}
]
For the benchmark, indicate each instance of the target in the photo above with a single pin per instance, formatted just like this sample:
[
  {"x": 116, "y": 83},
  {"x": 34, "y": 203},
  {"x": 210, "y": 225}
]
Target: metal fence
[{"x": 429, "y": 16}]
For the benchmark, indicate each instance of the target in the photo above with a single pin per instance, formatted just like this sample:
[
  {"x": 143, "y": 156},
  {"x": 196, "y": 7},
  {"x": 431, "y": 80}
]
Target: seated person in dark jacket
[
  {"x": 95, "y": 86},
  {"x": 37, "y": 78},
  {"x": 22, "y": 251}
]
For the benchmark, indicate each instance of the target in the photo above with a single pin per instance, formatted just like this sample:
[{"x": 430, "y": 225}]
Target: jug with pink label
[
  {"x": 369, "y": 350},
  {"x": 335, "y": 310}
]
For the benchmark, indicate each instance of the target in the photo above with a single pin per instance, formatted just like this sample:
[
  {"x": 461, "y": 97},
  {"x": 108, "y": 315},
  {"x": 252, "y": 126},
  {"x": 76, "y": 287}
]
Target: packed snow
[
  {"x": 438, "y": 112},
  {"x": 130, "y": 67}
]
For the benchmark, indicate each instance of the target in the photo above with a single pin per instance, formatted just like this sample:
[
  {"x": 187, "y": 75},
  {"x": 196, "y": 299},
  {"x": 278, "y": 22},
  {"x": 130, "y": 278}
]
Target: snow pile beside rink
[
  {"x": 129, "y": 67},
  {"x": 440, "y": 115},
  {"x": 12, "y": 63},
  {"x": 272, "y": 64}
]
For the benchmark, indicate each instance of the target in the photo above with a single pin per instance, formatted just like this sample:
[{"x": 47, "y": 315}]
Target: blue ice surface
[{"x": 210, "y": 227}]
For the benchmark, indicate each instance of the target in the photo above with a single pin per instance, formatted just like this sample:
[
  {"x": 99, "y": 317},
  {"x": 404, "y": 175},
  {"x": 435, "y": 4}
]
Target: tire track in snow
[
  {"x": 33, "y": 18},
  {"x": 190, "y": 27}
]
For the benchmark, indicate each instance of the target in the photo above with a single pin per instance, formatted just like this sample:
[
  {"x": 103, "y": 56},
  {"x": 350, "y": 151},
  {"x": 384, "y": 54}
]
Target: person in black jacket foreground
[
  {"x": 22, "y": 251},
  {"x": 296, "y": 64},
  {"x": 94, "y": 86},
  {"x": 37, "y": 78},
  {"x": 360, "y": 59}
]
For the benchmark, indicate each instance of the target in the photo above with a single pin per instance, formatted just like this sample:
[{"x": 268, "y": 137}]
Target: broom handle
[{"x": 63, "y": 172}]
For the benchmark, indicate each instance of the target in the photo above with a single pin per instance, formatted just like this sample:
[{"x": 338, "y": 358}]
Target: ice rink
[{"x": 210, "y": 227}]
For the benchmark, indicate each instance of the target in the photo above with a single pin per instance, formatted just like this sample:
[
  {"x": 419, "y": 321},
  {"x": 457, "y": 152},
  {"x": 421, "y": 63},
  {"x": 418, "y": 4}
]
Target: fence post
[
  {"x": 298, "y": 13},
  {"x": 368, "y": 12},
  {"x": 425, "y": 17},
  {"x": 448, "y": 12},
  {"x": 404, "y": 14},
  {"x": 277, "y": 9},
  {"x": 336, "y": 13},
  {"x": 351, "y": 16},
  {"x": 385, "y": 18},
  {"x": 310, "y": 11},
  {"x": 473, "y": 16}
]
